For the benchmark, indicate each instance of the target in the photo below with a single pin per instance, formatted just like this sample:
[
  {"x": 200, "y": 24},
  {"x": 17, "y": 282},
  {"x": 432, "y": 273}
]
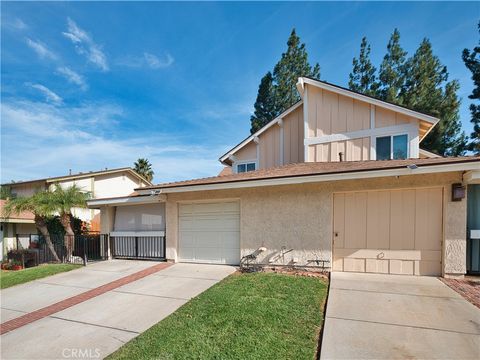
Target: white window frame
[
  {"x": 246, "y": 162},
  {"x": 391, "y": 143}
]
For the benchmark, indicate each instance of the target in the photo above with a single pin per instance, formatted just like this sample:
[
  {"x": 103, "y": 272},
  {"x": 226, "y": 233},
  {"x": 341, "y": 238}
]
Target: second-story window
[
  {"x": 392, "y": 147},
  {"x": 241, "y": 168}
]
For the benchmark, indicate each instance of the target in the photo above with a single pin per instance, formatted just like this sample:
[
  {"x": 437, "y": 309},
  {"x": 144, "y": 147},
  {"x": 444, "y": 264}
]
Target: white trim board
[
  {"x": 137, "y": 233},
  {"x": 133, "y": 200},
  {"x": 383, "y": 131},
  {"x": 425, "y": 169}
]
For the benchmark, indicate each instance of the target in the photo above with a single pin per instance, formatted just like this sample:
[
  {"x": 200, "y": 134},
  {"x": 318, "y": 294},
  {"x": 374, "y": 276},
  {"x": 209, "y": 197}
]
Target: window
[
  {"x": 241, "y": 168},
  {"x": 392, "y": 147}
]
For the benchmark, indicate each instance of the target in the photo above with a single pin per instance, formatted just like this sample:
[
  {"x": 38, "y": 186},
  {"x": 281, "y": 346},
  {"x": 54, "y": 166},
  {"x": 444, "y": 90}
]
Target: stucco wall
[{"x": 300, "y": 216}]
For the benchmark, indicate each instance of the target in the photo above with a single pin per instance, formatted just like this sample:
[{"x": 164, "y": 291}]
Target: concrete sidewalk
[
  {"x": 102, "y": 324},
  {"x": 371, "y": 316}
]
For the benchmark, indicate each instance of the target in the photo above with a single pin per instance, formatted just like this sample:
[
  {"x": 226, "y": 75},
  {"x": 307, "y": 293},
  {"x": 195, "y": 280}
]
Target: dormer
[{"x": 331, "y": 123}]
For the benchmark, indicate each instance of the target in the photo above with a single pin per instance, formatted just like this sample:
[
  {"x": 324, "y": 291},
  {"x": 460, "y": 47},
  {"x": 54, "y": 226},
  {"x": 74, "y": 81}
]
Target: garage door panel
[
  {"x": 403, "y": 231},
  {"x": 378, "y": 220},
  {"x": 402, "y": 267},
  {"x": 354, "y": 265},
  {"x": 402, "y": 220},
  {"x": 209, "y": 232},
  {"x": 377, "y": 266},
  {"x": 428, "y": 229},
  {"x": 355, "y": 220},
  {"x": 339, "y": 220}
]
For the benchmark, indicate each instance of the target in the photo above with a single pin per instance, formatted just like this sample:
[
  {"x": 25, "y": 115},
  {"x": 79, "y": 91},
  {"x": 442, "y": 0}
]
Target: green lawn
[
  {"x": 11, "y": 278},
  {"x": 245, "y": 316}
]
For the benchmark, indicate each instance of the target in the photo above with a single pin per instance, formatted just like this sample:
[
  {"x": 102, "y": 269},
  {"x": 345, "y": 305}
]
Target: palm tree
[
  {"x": 144, "y": 168},
  {"x": 40, "y": 204},
  {"x": 64, "y": 200}
]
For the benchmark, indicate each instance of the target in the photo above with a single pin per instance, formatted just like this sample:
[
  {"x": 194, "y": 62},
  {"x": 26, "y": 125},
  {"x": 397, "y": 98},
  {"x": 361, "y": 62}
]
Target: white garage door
[
  {"x": 209, "y": 232},
  {"x": 391, "y": 231}
]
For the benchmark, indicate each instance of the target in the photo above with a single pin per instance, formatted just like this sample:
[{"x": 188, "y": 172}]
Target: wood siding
[
  {"x": 353, "y": 150},
  {"x": 293, "y": 137},
  {"x": 385, "y": 117},
  {"x": 391, "y": 231}
]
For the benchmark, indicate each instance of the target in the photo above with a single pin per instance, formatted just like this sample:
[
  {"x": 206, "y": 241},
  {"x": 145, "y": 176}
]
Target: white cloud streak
[
  {"x": 14, "y": 24},
  {"x": 41, "y": 49},
  {"x": 72, "y": 77},
  {"x": 50, "y": 96},
  {"x": 41, "y": 140},
  {"x": 148, "y": 60},
  {"x": 85, "y": 45}
]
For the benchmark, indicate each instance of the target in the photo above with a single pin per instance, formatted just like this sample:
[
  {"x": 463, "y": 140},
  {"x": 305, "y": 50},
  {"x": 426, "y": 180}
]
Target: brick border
[
  {"x": 470, "y": 290},
  {"x": 77, "y": 299}
]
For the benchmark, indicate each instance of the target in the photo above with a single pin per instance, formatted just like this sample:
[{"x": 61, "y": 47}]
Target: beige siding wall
[
  {"x": 25, "y": 190},
  {"x": 385, "y": 117},
  {"x": 352, "y": 150},
  {"x": 248, "y": 152},
  {"x": 270, "y": 143},
  {"x": 293, "y": 137},
  {"x": 270, "y": 148},
  {"x": 331, "y": 113},
  {"x": 301, "y": 217}
]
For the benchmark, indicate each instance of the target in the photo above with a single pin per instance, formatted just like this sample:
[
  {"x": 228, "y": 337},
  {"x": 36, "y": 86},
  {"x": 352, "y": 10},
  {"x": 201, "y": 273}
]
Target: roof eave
[{"x": 334, "y": 176}]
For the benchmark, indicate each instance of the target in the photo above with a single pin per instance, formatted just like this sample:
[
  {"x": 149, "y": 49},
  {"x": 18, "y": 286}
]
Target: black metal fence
[
  {"x": 138, "y": 247},
  {"x": 77, "y": 249}
]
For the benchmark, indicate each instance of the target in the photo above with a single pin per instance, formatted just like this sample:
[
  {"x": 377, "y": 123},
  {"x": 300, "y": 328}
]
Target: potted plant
[
  {"x": 6, "y": 265},
  {"x": 17, "y": 265}
]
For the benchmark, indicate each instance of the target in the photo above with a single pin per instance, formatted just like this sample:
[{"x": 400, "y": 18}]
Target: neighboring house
[
  {"x": 100, "y": 184},
  {"x": 338, "y": 179}
]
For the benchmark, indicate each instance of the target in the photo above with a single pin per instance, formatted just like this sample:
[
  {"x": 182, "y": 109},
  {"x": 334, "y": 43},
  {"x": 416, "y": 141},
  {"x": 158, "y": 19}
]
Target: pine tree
[
  {"x": 292, "y": 65},
  {"x": 472, "y": 62},
  {"x": 282, "y": 92},
  {"x": 392, "y": 70},
  {"x": 427, "y": 90},
  {"x": 362, "y": 77},
  {"x": 265, "y": 103}
]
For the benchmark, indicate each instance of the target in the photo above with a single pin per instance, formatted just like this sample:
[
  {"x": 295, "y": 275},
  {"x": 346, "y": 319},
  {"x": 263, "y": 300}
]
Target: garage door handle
[{"x": 336, "y": 234}]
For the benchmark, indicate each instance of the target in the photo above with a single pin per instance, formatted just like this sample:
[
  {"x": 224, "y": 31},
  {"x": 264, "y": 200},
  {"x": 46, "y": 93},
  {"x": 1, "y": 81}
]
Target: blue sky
[{"x": 92, "y": 85}]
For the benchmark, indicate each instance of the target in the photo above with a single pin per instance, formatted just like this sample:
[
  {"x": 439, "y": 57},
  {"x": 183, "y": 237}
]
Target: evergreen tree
[
  {"x": 427, "y": 90},
  {"x": 278, "y": 91},
  {"x": 362, "y": 77},
  {"x": 265, "y": 104},
  {"x": 472, "y": 62},
  {"x": 292, "y": 65},
  {"x": 392, "y": 70}
]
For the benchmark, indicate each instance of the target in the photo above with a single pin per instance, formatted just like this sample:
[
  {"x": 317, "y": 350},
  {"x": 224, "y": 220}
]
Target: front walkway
[
  {"x": 138, "y": 295},
  {"x": 397, "y": 317}
]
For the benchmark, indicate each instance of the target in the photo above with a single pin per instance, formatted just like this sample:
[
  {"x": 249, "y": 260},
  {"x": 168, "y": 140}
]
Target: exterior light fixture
[{"x": 458, "y": 192}]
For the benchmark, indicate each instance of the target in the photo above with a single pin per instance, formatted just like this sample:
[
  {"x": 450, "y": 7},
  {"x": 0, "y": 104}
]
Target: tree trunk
[
  {"x": 41, "y": 225},
  {"x": 69, "y": 239}
]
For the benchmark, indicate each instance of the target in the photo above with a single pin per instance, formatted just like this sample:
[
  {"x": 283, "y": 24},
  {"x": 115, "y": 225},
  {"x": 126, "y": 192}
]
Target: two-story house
[
  {"x": 100, "y": 184},
  {"x": 338, "y": 180}
]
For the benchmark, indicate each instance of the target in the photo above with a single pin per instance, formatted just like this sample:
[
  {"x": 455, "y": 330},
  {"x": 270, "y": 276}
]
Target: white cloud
[
  {"x": 148, "y": 60},
  {"x": 14, "y": 24},
  {"x": 41, "y": 140},
  {"x": 85, "y": 45},
  {"x": 72, "y": 77},
  {"x": 155, "y": 63},
  {"x": 50, "y": 96},
  {"x": 41, "y": 49}
]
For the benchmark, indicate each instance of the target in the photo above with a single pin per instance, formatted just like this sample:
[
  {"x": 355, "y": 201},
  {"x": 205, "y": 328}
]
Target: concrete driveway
[
  {"x": 96, "y": 327},
  {"x": 372, "y": 316}
]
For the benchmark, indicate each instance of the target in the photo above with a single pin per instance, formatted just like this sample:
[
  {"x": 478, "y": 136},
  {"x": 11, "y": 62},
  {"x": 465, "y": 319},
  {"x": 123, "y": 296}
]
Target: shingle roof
[{"x": 317, "y": 168}]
